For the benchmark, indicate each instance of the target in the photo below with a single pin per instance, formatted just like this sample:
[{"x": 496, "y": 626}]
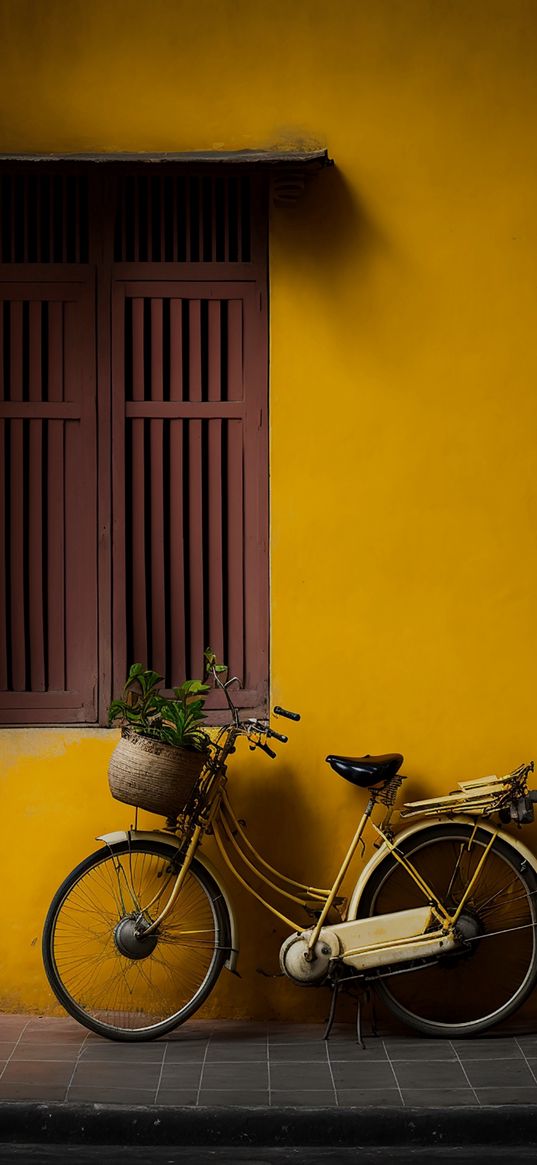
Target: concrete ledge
[{"x": 100, "y": 1124}]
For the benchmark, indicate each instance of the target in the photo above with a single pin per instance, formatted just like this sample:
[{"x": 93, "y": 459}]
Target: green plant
[{"x": 174, "y": 721}]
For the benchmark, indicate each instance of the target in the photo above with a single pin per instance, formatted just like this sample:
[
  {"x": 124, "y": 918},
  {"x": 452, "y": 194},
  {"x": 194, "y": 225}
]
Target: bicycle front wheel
[
  {"x": 464, "y": 992},
  {"x": 115, "y": 983}
]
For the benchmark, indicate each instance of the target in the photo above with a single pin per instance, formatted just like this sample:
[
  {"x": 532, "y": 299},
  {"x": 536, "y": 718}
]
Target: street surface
[{"x": 117, "y": 1155}]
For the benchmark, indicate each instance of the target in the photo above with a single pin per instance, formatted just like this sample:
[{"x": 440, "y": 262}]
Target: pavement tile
[
  {"x": 37, "y": 1072},
  {"x": 310, "y": 1051},
  {"x": 427, "y": 1050},
  {"x": 438, "y": 1097},
  {"x": 482, "y": 1049},
  {"x": 302, "y": 1076},
  {"x": 186, "y": 1053},
  {"x": 496, "y": 1073},
  {"x": 520, "y": 1095},
  {"x": 234, "y": 1075},
  {"x": 209, "y": 1097},
  {"x": 181, "y": 1075},
  {"x": 375, "y": 1074},
  {"x": 236, "y": 1050},
  {"x": 122, "y": 1053},
  {"x": 112, "y": 1075},
  {"x": 348, "y": 1051},
  {"x": 423, "y": 1074},
  {"x": 102, "y": 1094},
  {"x": 177, "y": 1097},
  {"x": 311, "y": 1098},
  {"x": 369, "y": 1097},
  {"x": 23, "y": 1090},
  {"x": 26, "y": 1050}
]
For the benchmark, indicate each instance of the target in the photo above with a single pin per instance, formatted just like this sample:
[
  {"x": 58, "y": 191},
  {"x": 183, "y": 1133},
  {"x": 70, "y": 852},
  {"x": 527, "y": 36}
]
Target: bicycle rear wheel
[
  {"x": 461, "y": 993},
  {"x": 114, "y": 983}
]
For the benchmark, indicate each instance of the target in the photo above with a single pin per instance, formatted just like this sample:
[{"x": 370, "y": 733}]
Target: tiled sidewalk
[{"x": 207, "y": 1064}]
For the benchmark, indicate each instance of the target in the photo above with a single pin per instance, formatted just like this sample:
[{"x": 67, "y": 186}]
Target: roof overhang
[{"x": 286, "y": 169}]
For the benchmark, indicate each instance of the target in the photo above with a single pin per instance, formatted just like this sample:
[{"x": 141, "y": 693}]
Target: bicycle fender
[
  {"x": 169, "y": 839},
  {"x": 460, "y": 819}
]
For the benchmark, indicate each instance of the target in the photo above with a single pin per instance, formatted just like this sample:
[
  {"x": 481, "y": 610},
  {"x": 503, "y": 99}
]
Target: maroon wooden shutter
[
  {"x": 190, "y": 500},
  {"x": 171, "y": 555},
  {"x": 48, "y": 664}
]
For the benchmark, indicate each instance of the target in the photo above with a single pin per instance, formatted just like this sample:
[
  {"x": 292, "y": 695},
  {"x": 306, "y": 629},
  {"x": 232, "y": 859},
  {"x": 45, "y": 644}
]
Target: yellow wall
[{"x": 404, "y": 411}]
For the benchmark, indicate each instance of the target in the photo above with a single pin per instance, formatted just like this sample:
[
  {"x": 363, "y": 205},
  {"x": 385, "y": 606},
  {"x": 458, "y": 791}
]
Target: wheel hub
[{"x": 130, "y": 942}]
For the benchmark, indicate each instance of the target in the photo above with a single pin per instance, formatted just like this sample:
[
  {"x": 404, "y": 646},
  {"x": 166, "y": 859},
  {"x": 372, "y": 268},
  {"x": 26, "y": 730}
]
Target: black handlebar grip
[
  {"x": 283, "y": 712},
  {"x": 269, "y": 751},
  {"x": 277, "y": 735}
]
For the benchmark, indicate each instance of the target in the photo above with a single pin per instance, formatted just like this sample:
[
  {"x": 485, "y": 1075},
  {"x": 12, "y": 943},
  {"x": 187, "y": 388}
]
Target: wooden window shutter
[
  {"x": 48, "y": 662},
  {"x": 190, "y": 502},
  {"x": 133, "y": 305}
]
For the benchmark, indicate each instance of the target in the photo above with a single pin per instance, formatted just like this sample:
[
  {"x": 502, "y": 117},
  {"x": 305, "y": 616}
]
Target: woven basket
[{"x": 153, "y": 775}]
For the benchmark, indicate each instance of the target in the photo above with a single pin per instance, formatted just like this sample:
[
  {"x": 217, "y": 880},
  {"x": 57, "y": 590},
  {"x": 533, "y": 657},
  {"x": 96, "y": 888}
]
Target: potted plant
[{"x": 163, "y": 745}]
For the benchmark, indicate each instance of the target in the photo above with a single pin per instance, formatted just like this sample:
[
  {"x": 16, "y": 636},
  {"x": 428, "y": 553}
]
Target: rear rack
[{"x": 482, "y": 797}]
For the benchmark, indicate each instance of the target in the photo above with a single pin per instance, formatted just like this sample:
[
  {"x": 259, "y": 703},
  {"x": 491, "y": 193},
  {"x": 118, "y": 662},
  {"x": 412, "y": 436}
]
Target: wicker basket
[{"x": 153, "y": 775}]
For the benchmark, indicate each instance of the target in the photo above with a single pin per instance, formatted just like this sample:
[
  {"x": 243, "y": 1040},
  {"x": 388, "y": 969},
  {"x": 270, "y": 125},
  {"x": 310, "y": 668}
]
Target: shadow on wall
[{"x": 329, "y": 225}]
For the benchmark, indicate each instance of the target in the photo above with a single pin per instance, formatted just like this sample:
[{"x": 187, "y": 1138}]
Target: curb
[{"x": 101, "y": 1124}]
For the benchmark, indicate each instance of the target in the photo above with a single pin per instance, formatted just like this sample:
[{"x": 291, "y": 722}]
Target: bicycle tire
[
  {"x": 128, "y": 996},
  {"x": 461, "y": 994}
]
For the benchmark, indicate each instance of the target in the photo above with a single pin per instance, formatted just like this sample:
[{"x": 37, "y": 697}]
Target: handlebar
[
  {"x": 283, "y": 712},
  {"x": 277, "y": 735}
]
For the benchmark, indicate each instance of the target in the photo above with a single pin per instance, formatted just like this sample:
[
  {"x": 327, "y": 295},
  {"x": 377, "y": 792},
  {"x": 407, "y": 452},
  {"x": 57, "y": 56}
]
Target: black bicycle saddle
[{"x": 367, "y": 771}]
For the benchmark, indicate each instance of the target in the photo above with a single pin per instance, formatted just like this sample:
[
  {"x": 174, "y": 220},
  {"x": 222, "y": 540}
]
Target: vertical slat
[
  {"x": 25, "y": 223},
  {"x": 235, "y": 612},
  {"x": 201, "y": 220},
  {"x": 139, "y": 598},
  {"x": 214, "y": 354},
  {"x": 195, "y": 546},
  {"x": 194, "y": 328},
  {"x": 56, "y": 557},
  {"x": 122, "y": 208},
  {"x": 17, "y": 564},
  {"x": 136, "y": 217},
  {"x": 149, "y": 218},
  {"x": 38, "y": 223},
  {"x": 158, "y": 596},
  {"x": 3, "y": 610},
  {"x": 156, "y": 351},
  {"x": 175, "y": 220},
  {"x": 235, "y": 350},
  {"x": 162, "y": 212},
  {"x": 216, "y": 610},
  {"x": 35, "y": 391},
  {"x": 55, "y": 351},
  {"x": 36, "y": 612},
  {"x": 176, "y": 349},
  {"x": 64, "y": 201},
  {"x": 177, "y": 556},
  {"x": 188, "y": 215},
  {"x": 3, "y": 394},
  {"x": 76, "y": 188},
  {"x": 213, "y": 220},
  {"x": 13, "y": 253},
  {"x": 35, "y": 556},
  {"x": 225, "y": 217},
  {"x": 16, "y": 351}
]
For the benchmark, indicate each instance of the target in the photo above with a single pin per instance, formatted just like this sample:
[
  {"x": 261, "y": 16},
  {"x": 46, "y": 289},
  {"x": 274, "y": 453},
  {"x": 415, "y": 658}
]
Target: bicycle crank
[{"x": 294, "y": 963}]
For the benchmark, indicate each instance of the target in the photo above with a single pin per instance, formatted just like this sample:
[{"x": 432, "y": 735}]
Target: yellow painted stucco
[{"x": 403, "y": 402}]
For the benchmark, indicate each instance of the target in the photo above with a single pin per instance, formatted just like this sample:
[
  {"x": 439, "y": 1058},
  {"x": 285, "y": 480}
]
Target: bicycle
[{"x": 137, "y": 935}]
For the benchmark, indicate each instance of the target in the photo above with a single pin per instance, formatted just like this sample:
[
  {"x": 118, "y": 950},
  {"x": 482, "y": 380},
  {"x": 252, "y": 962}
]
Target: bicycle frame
[{"x": 419, "y": 932}]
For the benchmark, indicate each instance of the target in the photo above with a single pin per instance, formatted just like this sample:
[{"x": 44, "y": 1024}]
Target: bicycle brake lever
[{"x": 269, "y": 751}]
